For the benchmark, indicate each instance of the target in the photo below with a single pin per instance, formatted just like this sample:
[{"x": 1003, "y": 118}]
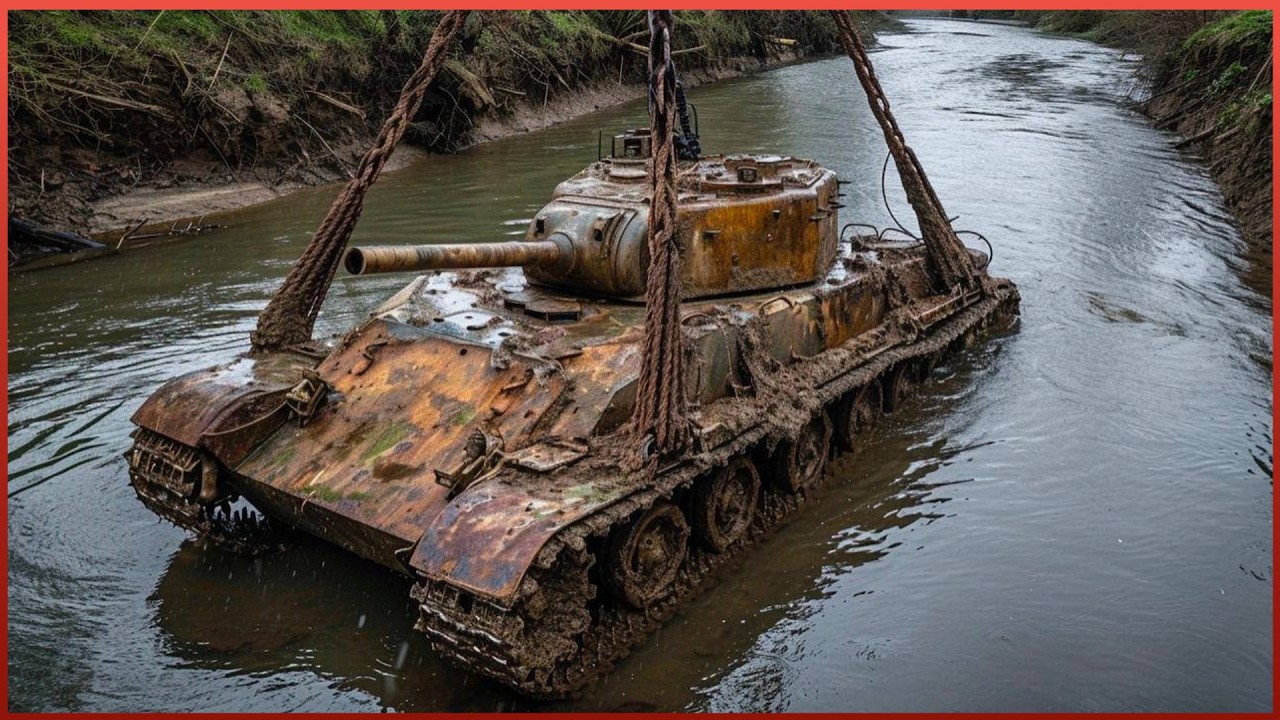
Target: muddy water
[{"x": 1074, "y": 516}]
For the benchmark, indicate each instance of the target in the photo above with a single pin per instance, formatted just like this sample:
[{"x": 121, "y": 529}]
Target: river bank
[
  {"x": 203, "y": 190},
  {"x": 1215, "y": 92},
  {"x": 165, "y": 138},
  {"x": 126, "y": 123}
]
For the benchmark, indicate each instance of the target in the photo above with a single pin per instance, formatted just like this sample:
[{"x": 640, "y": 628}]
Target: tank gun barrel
[{"x": 414, "y": 258}]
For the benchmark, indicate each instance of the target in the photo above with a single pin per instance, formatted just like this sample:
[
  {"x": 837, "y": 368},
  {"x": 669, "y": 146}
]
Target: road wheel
[
  {"x": 725, "y": 502},
  {"x": 799, "y": 464},
  {"x": 896, "y": 385},
  {"x": 856, "y": 413},
  {"x": 644, "y": 557}
]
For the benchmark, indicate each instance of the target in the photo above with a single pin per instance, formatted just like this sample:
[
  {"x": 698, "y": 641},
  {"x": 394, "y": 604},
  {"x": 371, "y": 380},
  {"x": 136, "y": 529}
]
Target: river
[{"x": 1076, "y": 515}]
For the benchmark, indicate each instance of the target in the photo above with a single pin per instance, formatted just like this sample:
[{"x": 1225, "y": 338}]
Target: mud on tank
[{"x": 470, "y": 434}]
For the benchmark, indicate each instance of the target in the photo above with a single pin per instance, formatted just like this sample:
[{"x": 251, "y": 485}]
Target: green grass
[
  {"x": 255, "y": 82},
  {"x": 1228, "y": 78},
  {"x": 1247, "y": 29},
  {"x": 1246, "y": 109}
]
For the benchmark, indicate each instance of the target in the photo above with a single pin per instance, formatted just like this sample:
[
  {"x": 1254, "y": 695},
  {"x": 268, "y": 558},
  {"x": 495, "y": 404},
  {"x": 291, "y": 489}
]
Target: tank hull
[
  {"x": 471, "y": 435},
  {"x": 559, "y": 631}
]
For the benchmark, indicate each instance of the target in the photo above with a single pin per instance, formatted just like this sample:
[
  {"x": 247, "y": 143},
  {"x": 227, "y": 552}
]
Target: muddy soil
[{"x": 107, "y": 196}]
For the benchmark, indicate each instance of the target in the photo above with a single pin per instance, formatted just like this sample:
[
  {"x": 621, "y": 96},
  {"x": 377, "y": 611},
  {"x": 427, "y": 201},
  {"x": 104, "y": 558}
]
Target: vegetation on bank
[{"x": 101, "y": 101}]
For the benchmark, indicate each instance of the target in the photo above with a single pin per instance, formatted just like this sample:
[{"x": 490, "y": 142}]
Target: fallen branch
[
  {"x": 200, "y": 129},
  {"x": 150, "y": 27},
  {"x": 118, "y": 102},
  {"x": 218, "y": 69},
  {"x": 187, "y": 73},
  {"x": 1172, "y": 88},
  {"x": 472, "y": 83},
  {"x": 339, "y": 104},
  {"x": 131, "y": 231},
  {"x": 640, "y": 49},
  {"x": 619, "y": 41},
  {"x": 1176, "y": 116},
  {"x": 326, "y": 147},
  {"x": 1202, "y": 135}
]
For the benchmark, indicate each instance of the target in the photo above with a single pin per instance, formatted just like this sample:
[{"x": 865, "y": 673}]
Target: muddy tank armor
[{"x": 471, "y": 433}]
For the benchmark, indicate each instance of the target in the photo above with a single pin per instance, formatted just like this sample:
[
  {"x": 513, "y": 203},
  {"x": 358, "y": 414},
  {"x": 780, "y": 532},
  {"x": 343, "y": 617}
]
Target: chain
[
  {"x": 948, "y": 259},
  {"x": 291, "y": 315}
]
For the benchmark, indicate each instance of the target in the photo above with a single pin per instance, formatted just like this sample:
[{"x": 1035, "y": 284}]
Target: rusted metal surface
[
  {"x": 467, "y": 434},
  {"x": 403, "y": 405},
  {"x": 517, "y": 641},
  {"x": 747, "y": 223},
  {"x": 486, "y": 540},
  {"x": 420, "y": 258},
  {"x": 189, "y": 407}
]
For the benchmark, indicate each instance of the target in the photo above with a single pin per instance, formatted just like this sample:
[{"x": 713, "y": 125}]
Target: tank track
[
  {"x": 558, "y": 638},
  {"x": 166, "y": 474}
]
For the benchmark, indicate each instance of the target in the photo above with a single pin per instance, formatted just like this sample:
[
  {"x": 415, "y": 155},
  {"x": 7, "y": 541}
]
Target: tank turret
[{"x": 748, "y": 223}]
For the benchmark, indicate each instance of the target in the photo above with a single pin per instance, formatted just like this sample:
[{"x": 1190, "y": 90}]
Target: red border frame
[
  {"x": 580, "y": 5},
  {"x": 575, "y": 4}
]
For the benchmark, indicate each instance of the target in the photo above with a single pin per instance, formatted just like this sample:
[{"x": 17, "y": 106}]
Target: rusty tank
[{"x": 470, "y": 433}]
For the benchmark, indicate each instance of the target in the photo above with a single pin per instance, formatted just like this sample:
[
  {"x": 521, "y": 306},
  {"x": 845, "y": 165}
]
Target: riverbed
[{"x": 1073, "y": 516}]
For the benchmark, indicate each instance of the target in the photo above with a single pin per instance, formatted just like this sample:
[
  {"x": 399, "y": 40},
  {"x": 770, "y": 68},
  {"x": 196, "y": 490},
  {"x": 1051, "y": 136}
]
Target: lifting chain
[
  {"x": 291, "y": 315},
  {"x": 949, "y": 261}
]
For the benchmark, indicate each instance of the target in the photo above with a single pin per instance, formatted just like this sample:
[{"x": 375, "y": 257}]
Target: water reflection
[{"x": 263, "y": 617}]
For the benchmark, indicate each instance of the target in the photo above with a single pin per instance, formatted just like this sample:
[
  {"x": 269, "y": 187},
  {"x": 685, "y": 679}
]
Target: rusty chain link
[{"x": 660, "y": 415}]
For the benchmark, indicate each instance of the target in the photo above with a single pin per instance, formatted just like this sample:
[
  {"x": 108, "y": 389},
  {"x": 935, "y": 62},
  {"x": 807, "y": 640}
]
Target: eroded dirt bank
[
  {"x": 1216, "y": 93},
  {"x": 196, "y": 187},
  {"x": 128, "y": 117}
]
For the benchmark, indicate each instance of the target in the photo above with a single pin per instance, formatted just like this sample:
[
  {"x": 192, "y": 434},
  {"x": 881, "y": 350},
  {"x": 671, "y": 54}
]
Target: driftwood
[
  {"x": 1202, "y": 135},
  {"x": 128, "y": 233},
  {"x": 116, "y": 101},
  {"x": 32, "y": 245},
  {"x": 644, "y": 51},
  {"x": 338, "y": 103},
  {"x": 221, "y": 60}
]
